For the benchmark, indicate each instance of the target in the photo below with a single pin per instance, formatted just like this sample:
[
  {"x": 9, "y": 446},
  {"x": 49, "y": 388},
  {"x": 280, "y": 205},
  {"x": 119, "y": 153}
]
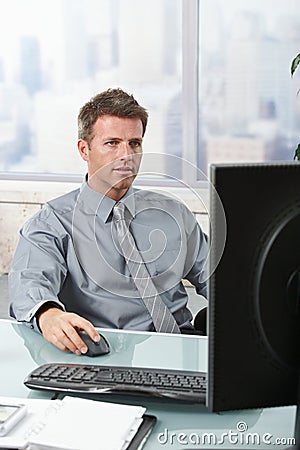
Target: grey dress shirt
[{"x": 67, "y": 254}]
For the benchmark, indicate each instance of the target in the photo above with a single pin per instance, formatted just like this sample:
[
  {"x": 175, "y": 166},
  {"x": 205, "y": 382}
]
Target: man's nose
[{"x": 125, "y": 150}]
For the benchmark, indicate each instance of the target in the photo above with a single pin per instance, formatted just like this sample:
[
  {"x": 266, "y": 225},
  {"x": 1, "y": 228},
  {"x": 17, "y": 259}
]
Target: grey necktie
[{"x": 163, "y": 319}]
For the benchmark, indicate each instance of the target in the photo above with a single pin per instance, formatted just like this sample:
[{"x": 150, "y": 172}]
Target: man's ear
[{"x": 83, "y": 148}]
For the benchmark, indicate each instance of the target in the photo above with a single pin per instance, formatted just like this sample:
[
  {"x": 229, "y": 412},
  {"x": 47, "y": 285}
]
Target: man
[{"x": 70, "y": 271}]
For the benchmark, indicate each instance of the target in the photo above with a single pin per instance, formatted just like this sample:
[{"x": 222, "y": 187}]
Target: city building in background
[
  {"x": 248, "y": 104},
  {"x": 56, "y": 54}
]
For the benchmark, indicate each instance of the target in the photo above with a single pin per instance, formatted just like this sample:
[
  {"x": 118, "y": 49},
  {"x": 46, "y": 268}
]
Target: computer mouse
[{"x": 95, "y": 348}]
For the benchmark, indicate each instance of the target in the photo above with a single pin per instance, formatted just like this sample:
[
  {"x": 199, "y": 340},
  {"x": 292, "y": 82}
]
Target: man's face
[{"x": 114, "y": 154}]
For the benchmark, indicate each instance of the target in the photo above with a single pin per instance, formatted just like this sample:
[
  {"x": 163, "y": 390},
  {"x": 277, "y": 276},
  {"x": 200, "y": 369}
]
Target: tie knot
[{"x": 119, "y": 211}]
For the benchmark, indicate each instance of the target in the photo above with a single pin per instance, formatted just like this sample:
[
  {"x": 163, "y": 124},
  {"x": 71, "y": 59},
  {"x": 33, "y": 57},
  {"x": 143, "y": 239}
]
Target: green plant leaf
[
  {"x": 297, "y": 153},
  {"x": 295, "y": 63}
]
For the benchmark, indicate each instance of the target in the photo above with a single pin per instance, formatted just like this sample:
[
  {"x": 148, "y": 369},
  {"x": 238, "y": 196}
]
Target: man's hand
[{"x": 60, "y": 328}]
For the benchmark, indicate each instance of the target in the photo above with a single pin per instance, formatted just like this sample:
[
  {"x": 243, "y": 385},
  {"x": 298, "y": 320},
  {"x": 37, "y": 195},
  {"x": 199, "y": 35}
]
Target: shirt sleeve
[
  {"x": 38, "y": 269},
  {"x": 197, "y": 258}
]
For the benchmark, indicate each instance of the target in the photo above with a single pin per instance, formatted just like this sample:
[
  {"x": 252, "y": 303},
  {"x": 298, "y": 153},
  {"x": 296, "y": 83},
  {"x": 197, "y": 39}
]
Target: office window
[
  {"x": 248, "y": 105},
  {"x": 213, "y": 74},
  {"x": 56, "y": 54}
]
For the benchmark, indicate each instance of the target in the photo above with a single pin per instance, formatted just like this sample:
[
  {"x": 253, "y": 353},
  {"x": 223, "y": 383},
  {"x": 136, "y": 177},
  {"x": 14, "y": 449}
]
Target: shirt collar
[{"x": 92, "y": 202}]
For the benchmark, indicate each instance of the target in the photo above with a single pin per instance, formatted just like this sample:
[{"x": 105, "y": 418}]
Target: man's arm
[
  {"x": 37, "y": 274},
  {"x": 197, "y": 260},
  {"x": 38, "y": 269}
]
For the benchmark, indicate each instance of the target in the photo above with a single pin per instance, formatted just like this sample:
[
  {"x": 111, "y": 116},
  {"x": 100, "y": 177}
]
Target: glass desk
[{"x": 179, "y": 426}]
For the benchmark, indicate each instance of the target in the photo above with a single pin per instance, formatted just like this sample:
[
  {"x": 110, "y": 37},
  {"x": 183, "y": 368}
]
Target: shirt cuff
[{"x": 30, "y": 319}]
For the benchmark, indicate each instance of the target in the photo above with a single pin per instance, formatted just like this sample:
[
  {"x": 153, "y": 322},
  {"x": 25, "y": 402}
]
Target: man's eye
[
  {"x": 135, "y": 144},
  {"x": 111, "y": 143}
]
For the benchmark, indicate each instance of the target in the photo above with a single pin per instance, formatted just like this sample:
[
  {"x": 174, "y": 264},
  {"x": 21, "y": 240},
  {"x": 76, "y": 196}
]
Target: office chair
[{"x": 200, "y": 321}]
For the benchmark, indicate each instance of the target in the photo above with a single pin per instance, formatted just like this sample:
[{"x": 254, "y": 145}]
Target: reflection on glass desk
[{"x": 179, "y": 425}]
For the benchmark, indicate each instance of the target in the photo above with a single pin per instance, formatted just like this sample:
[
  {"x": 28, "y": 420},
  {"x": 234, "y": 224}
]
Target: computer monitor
[{"x": 254, "y": 292}]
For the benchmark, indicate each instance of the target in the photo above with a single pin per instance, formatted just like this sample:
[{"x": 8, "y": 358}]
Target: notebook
[{"x": 78, "y": 424}]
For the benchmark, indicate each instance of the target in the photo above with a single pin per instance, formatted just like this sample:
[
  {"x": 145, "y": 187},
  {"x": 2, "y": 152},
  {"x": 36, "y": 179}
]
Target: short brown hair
[{"x": 113, "y": 102}]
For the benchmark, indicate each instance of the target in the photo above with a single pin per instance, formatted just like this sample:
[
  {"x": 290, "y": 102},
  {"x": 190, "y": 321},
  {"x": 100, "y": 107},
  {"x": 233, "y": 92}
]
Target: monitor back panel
[{"x": 254, "y": 292}]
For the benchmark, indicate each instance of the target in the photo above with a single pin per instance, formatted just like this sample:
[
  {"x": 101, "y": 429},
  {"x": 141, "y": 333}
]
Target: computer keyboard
[{"x": 188, "y": 386}]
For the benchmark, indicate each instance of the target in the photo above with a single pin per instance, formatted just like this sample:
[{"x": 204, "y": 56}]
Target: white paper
[
  {"x": 82, "y": 424},
  {"x": 73, "y": 424}
]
